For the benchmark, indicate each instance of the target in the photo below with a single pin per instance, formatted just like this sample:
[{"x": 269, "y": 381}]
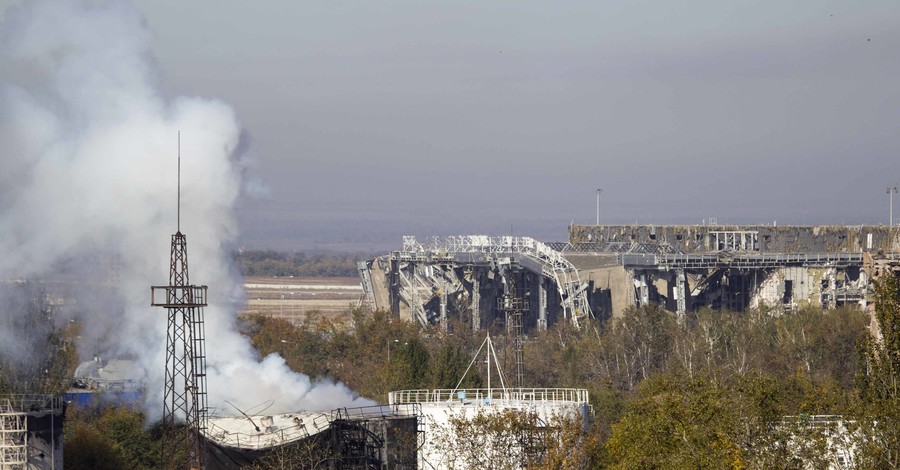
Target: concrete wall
[
  {"x": 805, "y": 288},
  {"x": 380, "y": 284},
  {"x": 771, "y": 239},
  {"x": 437, "y": 451},
  {"x": 606, "y": 274}
]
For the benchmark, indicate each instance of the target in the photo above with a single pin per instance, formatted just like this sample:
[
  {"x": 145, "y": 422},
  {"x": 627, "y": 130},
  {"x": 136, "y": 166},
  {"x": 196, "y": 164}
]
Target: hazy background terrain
[{"x": 370, "y": 120}]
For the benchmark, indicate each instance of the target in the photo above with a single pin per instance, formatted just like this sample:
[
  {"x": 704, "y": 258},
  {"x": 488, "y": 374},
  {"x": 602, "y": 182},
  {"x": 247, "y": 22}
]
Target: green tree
[
  {"x": 410, "y": 365},
  {"x": 449, "y": 366},
  {"x": 569, "y": 444},
  {"x": 110, "y": 437},
  {"x": 88, "y": 448},
  {"x": 303, "y": 348},
  {"x": 879, "y": 416},
  {"x": 677, "y": 422}
]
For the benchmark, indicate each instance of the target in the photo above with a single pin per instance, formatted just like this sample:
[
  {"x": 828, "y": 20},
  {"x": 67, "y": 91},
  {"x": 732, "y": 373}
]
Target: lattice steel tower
[
  {"x": 515, "y": 305},
  {"x": 184, "y": 397}
]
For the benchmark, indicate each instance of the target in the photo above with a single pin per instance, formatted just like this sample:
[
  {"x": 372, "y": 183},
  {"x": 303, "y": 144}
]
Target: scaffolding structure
[{"x": 13, "y": 437}]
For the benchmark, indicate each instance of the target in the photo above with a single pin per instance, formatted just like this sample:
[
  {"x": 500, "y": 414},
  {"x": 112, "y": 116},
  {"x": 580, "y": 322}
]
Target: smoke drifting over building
[{"x": 89, "y": 173}]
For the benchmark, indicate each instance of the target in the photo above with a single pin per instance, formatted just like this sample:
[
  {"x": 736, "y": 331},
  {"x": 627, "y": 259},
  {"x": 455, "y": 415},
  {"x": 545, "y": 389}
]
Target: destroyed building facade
[
  {"x": 604, "y": 269},
  {"x": 476, "y": 279}
]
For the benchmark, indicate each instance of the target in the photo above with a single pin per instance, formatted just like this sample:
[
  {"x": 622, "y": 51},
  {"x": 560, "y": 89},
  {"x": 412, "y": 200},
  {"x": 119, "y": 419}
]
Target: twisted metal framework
[
  {"x": 185, "y": 388},
  {"x": 553, "y": 264}
]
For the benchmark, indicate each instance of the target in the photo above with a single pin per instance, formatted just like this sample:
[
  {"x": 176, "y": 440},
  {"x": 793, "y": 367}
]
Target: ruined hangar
[{"x": 602, "y": 270}]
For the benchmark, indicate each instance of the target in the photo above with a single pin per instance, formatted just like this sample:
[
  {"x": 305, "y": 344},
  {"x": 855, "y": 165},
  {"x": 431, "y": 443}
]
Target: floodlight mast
[
  {"x": 891, "y": 191},
  {"x": 184, "y": 396}
]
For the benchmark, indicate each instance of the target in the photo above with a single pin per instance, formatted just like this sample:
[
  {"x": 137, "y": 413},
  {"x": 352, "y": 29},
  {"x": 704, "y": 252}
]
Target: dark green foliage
[
  {"x": 88, "y": 448},
  {"x": 303, "y": 349},
  {"x": 410, "y": 366},
  {"x": 110, "y": 437},
  {"x": 449, "y": 366},
  {"x": 677, "y": 421}
]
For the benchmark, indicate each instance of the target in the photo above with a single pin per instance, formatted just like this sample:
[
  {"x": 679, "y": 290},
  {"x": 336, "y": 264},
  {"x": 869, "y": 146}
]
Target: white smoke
[{"x": 88, "y": 151}]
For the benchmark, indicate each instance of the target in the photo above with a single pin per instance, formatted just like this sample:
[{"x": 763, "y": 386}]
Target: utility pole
[
  {"x": 891, "y": 191},
  {"x": 598, "y": 205}
]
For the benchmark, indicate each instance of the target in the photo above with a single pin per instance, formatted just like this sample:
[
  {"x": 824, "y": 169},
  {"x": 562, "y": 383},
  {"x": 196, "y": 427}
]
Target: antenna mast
[
  {"x": 179, "y": 183},
  {"x": 184, "y": 396}
]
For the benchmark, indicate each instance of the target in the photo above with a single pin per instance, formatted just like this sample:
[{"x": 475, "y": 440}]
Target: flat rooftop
[{"x": 750, "y": 238}]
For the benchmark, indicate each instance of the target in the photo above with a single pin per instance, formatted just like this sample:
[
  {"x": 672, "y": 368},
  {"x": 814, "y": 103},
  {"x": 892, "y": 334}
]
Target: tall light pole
[
  {"x": 891, "y": 191},
  {"x": 389, "y": 348},
  {"x": 598, "y": 205}
]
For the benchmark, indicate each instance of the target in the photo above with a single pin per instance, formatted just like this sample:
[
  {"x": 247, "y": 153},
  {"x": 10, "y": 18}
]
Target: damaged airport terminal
[{"x": 604, "y": 269}]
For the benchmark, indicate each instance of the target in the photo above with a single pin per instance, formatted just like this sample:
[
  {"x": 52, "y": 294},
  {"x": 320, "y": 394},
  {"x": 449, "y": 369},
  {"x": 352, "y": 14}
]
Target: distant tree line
[{"x": 284, "y": 264}]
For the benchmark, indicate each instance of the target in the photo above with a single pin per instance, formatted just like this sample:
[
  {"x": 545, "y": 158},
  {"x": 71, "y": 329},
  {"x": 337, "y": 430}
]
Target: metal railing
[
  {"x": 483, "y": 395},
  {"x": 740, "y": 260},
  {"x": 126, "y": 385},
  {"x": 33, "y": 402},
  {"x": 393, "y": 410}
]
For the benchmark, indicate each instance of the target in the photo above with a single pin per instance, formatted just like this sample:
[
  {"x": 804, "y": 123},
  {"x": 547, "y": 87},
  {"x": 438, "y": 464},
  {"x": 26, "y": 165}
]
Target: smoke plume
[{"x": 88, "y": 150}]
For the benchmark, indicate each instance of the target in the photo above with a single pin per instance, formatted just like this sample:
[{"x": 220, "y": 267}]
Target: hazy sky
[{"x": 369, "y": 120}]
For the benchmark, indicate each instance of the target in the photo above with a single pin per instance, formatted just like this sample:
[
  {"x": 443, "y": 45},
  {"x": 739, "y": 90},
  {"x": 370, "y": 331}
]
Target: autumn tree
[
  {"x": 638, "y": 344},
  {"x": 569, "y": 444},
  {"x": 879, "y": 420},
  {"x": 486, "y": 437},
  {"x": 677, "y": 421}
]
